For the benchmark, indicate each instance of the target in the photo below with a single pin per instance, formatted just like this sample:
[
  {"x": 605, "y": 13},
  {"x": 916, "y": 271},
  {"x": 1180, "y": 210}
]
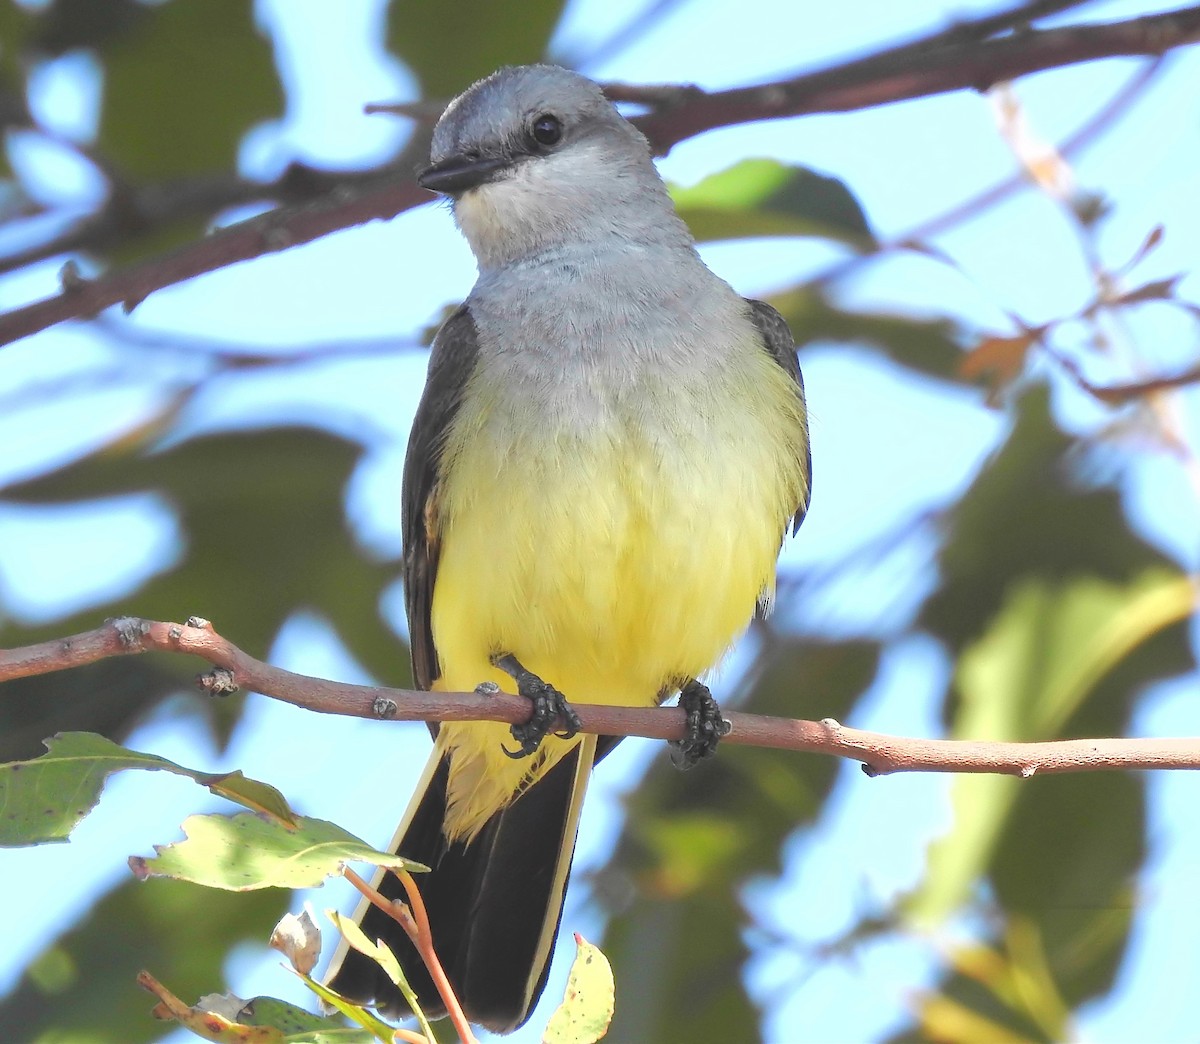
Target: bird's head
[{"x": 535, "y": 157}]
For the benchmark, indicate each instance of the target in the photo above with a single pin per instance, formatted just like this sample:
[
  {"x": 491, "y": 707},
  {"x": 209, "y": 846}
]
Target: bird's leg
[
  {"x": 705, "y": 726},
  {"x": 548, "y": 706}
]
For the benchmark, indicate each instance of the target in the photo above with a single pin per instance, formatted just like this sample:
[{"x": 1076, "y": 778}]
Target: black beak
[{"x": 457, "y": 174}]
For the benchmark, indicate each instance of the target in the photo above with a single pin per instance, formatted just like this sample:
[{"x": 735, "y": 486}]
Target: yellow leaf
[{"x": 587, "y": 1007}]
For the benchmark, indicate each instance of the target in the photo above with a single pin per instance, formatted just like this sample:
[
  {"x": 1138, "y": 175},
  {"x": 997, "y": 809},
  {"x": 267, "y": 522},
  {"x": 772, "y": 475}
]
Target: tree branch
[
  {"x": 879, "y": 753},
  {"x": 131, "y": 210},
  {"x": 948, "y": 60},
  {"x": 265, "y": 234},
  {"x": 913, "y": 71}
]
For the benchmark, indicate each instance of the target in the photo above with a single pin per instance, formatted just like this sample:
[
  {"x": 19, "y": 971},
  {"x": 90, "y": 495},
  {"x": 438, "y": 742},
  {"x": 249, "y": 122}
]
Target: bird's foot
[
  {"x": 705, "y": 726},
  {"x": 549, "y": 705}
]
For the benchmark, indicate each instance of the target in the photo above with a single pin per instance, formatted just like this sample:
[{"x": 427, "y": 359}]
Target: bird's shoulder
[{"x": 776, "y": 336}]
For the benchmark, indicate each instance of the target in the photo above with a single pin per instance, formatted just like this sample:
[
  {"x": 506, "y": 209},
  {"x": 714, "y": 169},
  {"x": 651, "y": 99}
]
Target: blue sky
[{"x": 886, "y": 445}]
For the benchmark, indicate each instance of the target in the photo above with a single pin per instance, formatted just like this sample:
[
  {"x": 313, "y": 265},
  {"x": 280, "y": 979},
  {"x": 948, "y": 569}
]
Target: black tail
[{"x": 494, "y": 904}]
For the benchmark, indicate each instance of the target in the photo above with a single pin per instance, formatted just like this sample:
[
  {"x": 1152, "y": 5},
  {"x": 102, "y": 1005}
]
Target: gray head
[{"x": 536, "y": 158}]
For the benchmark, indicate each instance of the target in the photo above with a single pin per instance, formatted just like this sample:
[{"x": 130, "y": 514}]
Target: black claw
[
  {"x": 548, "y": 706},
  {"x": 705, "y": 726}
]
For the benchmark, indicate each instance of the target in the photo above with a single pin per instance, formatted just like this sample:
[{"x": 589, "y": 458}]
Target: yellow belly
[{"x": 613, "y": 558}]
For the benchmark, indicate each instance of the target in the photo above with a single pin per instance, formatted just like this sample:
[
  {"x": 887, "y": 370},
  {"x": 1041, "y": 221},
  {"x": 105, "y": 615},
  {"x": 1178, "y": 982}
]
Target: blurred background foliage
[{"x": 1051, "y": 613}]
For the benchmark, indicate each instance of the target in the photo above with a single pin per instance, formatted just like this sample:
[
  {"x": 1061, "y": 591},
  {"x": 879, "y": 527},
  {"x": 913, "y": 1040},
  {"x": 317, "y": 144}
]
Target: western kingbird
[{"x": 608, "y": 453}]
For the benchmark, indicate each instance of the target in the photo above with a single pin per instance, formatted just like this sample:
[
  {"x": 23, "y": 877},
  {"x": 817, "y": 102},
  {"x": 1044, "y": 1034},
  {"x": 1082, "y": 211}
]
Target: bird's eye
[{"x": 547, "y": 129}]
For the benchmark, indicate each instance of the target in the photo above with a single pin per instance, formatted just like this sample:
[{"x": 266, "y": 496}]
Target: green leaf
[
  {"x": 15, "y": 25},
  {"x": 926, "y": 346},
  {"x": 1077, "y": 882},
  {"x": 1006, "y": 992},
  {"x": 68, "y": 25},
  {"x": 245, "y": 852},
  {"x": 1024, "y": 680},
  {"x": 587, "y": 1006},
  {"x": 448, "y": 53},
  {"x": 1027, "y": 513},
  {"x": 1064, "y": 868},
  {"x": 259, "y": 797},
  {"x": 382, "y": 955},
  {"x": 1061, "y": 616},
  {"x": 1051, "y": 645},
  {"x": 1019, "y": 976},
  {"x": 356, "y": 938},
  {"x": 944, "y": 1019},
  {"x": 299, "y": 1026},
  {"x": 43, "y": 800},
  {"x": 370, "y": 1022},
  {"x": 761, "y": 197},
  {"x": 183, "y": 86}
]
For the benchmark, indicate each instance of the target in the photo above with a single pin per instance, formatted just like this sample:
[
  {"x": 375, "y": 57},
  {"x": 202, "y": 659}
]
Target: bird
[{"x": 610, "y": 449}]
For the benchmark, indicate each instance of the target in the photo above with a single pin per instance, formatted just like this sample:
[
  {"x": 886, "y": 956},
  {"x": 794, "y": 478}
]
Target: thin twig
[
  {"x": 880, "y": 754},
  {"x": 1078, "y": 141},
  {"x": 1119, "y": 394},
  {"x": 984, "y": 26},
  {"x": 424, "y": 944},
  {"x": 415, "y": 922},
  {"x": 247, "y": 354},
  {"x": 625, "y": 35}
]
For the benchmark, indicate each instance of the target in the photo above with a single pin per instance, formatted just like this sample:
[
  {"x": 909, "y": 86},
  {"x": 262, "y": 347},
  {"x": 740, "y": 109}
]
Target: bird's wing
[
  {"x": 450, "y": 365},
  {"x": 777, "y": 339}
]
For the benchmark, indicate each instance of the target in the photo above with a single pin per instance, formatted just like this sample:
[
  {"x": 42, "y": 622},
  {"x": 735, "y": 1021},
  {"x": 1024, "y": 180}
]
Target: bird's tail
[{"x": 494, "y": 902}]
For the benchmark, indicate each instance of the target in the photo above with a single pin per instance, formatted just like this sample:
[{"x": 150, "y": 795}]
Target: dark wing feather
[
  {"x": 777, "y": 339},
  {"x": 453, "y": 359}
]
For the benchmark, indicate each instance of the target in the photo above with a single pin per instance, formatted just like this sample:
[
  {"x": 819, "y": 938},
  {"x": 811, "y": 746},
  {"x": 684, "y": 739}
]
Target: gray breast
[{"x": 576, "y": 335}]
